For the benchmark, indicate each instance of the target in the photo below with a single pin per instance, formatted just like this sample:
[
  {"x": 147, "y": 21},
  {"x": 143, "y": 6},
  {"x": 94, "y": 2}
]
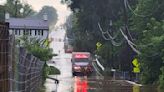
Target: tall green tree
[
  {"x": 87, "y": 15},
  {"x": 144, "y": 20},
  {"x": 17, "y": 9},
  {"x": 147, "y": 23}
]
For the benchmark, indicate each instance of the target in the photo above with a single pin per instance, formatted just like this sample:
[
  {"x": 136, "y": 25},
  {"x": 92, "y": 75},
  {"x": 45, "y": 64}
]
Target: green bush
[
  {"x": 53, "y": 70},
  {"x": 40, "y": 50}
]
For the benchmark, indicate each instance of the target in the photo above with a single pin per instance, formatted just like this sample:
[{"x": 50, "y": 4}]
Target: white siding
[
  {"x": 45, "y": 33},
  {"x": 10, "y": 31},
  {"x": 41, "y": 37},
  {"x": 33, "y": 33}
]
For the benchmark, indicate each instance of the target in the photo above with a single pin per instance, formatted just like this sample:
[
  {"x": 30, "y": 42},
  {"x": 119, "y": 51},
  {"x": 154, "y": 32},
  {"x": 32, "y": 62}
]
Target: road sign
[
  {"x": 98, "y": 44},
  {"x": 136, "y": 68},
  {"x": 135, "y": 63}
]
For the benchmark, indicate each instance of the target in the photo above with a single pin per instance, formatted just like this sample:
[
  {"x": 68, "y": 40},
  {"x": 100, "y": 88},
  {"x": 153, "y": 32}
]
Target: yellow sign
[
  {"x": 98, "y": 44},
  {"x": 135, "y": 63},
  {"x": 136, "y": 69}
]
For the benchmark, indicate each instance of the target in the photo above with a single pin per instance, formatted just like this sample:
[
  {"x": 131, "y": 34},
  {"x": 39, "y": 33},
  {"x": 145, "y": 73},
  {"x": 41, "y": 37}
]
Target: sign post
[{"x": 136, "y": 68}]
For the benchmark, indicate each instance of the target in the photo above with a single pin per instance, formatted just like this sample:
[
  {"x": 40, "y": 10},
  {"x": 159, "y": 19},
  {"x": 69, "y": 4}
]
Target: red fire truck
[{"x": 81, "y": 63}]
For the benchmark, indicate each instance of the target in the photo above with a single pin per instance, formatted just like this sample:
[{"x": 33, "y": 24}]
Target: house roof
[{"x": 27, "y": 23}]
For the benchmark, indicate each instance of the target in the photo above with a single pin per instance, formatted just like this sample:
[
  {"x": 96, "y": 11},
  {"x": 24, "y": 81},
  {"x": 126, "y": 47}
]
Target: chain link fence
[{"x": 19, "y": 70}]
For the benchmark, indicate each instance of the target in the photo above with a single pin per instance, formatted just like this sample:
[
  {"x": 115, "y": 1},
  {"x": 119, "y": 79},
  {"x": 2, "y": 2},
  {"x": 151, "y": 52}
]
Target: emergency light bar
[{"x": 81, "y": 56}]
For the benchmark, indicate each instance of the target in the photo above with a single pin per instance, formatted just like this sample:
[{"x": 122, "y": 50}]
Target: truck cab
[{"x": 81, "y": 63}]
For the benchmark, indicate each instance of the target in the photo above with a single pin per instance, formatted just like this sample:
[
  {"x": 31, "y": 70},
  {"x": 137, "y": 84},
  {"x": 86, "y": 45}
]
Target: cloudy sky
[{"x": 62, "y": 10}]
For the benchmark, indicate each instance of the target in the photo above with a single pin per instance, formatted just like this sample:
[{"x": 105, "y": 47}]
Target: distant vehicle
[
  {"x": 81, "y": 63},
  {"x": 68, "y": 49}
]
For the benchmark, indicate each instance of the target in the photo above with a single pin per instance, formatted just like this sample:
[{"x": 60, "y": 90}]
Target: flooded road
[
  {"x": 68, "y": 83},
  {"x": 99, "y": 85}
]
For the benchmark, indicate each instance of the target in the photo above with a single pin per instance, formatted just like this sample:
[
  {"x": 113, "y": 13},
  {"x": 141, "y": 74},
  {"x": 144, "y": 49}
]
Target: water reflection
[
  {"x": 136, "y": 88},
  {"x": 81, "y": 84},
  {"x": 84, "y": 84}
]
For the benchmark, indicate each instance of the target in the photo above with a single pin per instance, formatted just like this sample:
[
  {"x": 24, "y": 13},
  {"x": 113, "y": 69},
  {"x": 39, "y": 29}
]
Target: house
[{"x": 33, "y": 28}]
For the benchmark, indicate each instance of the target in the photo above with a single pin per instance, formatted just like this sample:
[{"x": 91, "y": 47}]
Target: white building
[{"x": 33, "y": 28}]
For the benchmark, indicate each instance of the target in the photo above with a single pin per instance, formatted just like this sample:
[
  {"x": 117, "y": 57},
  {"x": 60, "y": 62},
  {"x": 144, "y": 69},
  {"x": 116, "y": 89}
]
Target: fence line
[
  {"x": 4, "y": 35},
  {"x": 19, "y": 70}
]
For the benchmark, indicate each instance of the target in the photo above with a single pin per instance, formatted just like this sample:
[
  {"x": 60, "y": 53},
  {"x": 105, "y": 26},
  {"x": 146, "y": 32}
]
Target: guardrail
[{"x": 99, "y": 64}]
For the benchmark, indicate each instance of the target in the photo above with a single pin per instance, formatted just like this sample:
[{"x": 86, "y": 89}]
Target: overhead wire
[
  {"x": 126, "y": 2},
  {"x": 130, "y": 43},
  {"x": 109, "y": 36}
]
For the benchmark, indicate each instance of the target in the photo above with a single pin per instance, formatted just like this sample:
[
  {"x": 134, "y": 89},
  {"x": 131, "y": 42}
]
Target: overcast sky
[{"x": 62, "y": 10}]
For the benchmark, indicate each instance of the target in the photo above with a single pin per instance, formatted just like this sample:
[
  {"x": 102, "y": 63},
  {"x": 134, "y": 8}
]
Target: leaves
[
  {"x": 17, "y": 9},
  {"x": 145, "y": 23}
]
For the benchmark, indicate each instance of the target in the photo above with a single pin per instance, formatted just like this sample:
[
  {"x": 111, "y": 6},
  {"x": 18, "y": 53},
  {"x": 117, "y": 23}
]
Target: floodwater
[
  {"x": 68, "y": 83},
  {"x": 83, "y": 84}
]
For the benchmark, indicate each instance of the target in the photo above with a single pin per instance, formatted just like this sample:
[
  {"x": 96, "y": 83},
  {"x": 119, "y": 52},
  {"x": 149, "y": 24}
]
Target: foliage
[
  {"x": 144, "y": 20},
  {"x": 149, "y": 36},
  {"x": 86, "y": 33},
  {"x": 53, "y": 70},
  {"x": 17, "y": 9},
  {"x": 151, "y": 57},
  {"x": 2, "y": 14},
  {"x": 39, "y": 50},
  {"x": 161, "y": 80}
]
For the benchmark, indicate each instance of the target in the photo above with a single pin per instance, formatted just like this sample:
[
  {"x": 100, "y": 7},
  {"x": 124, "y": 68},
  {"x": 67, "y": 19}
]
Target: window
[
  {"x": 27, "y": 32},
  {"x": 24, "y": 32},
  {"x": 30, "y": 31},
  {"x": 42, "y": 32},
  {"x": 38, "y": 32},
  {"x": 19, "y": 32},
  {"x": 16, "y": 32},
  {"x": 35, "y": 32}
]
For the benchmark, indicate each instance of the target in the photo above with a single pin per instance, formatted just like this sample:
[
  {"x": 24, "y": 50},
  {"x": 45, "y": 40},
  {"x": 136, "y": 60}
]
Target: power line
[
  {"x": 131, "y": 44},
  {"x": 126, "y": 2},
  {"x": 110, "y": 36}
]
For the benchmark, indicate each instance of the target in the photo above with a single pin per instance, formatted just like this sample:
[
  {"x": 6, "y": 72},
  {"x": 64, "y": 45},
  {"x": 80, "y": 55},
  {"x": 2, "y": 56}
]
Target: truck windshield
[{"x": 81, "y": 60}]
